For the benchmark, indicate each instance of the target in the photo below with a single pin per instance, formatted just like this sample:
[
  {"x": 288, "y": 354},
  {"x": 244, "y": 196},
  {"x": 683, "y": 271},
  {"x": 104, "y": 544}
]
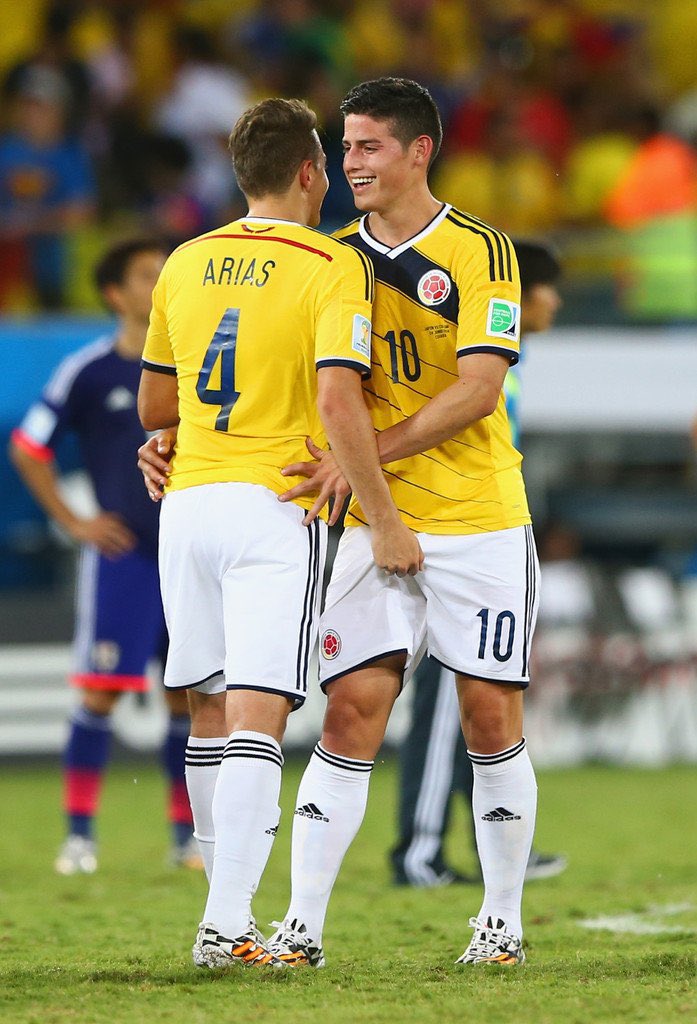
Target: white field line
[{"x": 648, "y": 922}]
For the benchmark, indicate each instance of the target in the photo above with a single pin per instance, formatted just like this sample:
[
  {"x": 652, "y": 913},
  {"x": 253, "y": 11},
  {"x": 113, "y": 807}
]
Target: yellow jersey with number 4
[
  {"x": 244, "y": 316},
  {"x": 452, "y": 290}
]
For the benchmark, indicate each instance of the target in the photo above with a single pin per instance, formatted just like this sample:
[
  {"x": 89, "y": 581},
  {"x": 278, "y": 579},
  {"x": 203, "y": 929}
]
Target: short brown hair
[
  {"x": 268, "y": 144},
  {"x": 407, "y": 106}
]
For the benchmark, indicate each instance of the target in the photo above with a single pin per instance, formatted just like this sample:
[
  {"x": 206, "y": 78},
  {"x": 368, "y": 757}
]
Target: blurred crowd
[{"x": 564, "y": 118}]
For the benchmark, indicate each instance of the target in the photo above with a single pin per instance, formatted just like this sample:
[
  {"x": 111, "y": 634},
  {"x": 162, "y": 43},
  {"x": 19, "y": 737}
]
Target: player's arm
[
  {"x": 472, "y": 397},
  {"x": 158, "y": 401},
  {"x": 351, "y": 435},
  {"x": 36, "y": 466}
]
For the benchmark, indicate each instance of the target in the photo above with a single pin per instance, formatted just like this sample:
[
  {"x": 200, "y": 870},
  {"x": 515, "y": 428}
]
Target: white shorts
[
  {"x": 473, "y": 606},
  {"x": 241, "y": 580}
]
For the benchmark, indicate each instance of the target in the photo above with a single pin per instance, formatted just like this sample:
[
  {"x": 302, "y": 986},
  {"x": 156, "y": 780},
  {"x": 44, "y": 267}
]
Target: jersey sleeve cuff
[
  {"x": 27, "y": 444},
  {"x": 147, "y": 364},
  {"x": 496, "y": 350},
  {"x": 352, "y": 364}
]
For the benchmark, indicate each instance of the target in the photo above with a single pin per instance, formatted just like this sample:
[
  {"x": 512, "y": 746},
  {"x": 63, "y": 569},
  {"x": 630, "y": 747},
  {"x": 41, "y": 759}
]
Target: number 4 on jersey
[{"x": 223, "y": 346}]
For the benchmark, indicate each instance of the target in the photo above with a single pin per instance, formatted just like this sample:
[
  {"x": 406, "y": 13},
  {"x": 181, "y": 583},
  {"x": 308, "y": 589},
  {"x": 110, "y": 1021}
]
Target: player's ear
[
  {"x": 423, "y": 149},
  {"x": 306, "y": 174}
]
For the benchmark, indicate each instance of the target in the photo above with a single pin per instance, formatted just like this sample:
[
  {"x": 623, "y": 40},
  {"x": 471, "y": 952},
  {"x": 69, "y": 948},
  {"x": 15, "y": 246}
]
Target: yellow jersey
[
  {"x": 451, "y": 290},
  {"x": 244, "y": 316}
]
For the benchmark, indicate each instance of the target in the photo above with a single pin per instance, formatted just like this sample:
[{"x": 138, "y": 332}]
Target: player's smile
[{"x": 360, "y": 183}]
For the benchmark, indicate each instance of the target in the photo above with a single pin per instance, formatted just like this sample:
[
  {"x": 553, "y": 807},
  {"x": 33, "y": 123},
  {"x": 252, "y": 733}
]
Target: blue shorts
[{"x": 120, "y": 624}]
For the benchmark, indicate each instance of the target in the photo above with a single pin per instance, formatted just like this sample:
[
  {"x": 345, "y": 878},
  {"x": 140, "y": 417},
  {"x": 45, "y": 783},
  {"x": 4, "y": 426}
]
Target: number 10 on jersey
[{"x": 223, "y": 347}]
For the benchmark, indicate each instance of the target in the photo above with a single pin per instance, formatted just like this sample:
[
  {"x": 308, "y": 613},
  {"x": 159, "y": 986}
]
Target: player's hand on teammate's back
[
  {"x": 323, "y": 478},
  {"x": 153, "y": 461},
  {"x": 396, "y": 549},
  {"x": 107, "y": 532}
]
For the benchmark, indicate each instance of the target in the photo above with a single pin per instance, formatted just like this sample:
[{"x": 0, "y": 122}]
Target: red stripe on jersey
[
  {"x": 263, "y": 238},
  {"x": 37, "y": 451}
]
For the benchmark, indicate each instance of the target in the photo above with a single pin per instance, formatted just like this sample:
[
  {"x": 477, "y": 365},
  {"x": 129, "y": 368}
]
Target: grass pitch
[{"x": 114, "y": 948}]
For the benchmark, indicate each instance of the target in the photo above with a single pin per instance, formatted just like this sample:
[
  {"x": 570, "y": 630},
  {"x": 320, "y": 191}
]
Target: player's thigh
[
  {"x": 271, "y": 599},
  {"x": 119, "y": 620},
  {"x": 368, "y": 615},
  {"x": 482, "y": 597}
]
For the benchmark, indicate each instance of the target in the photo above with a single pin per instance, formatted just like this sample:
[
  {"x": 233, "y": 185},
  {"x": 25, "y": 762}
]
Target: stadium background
[{"x": 570, "y": 121}]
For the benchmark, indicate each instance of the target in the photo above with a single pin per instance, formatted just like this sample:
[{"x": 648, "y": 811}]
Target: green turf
[{"x": 114, "y": 948}]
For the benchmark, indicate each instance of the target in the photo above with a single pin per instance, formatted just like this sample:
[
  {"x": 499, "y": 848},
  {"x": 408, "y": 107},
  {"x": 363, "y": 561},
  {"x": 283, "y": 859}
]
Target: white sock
[
  {"x": 203, "y": 757},
  {"x": 245, "y": 819},
  {"x": 330, "y": 807},
  {"x": 504, "y": 803}
]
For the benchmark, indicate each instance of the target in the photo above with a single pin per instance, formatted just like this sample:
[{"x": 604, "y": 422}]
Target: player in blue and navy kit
[{"x": 120, "y": 624}]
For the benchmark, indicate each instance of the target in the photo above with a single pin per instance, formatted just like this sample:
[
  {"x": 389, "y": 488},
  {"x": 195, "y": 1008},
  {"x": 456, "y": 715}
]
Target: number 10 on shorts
[{"x": 504, "y": 634}]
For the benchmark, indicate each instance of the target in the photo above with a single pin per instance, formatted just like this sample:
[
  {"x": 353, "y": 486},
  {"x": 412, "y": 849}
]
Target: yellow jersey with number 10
[
  {"x": 451, "y": 290},
  {"x": 244, "y": 316}
]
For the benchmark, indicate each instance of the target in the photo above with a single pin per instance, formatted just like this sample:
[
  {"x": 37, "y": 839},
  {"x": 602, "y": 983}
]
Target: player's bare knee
[
  {"x": 257, "y": 711},
  {"x": 354, "y": 724},
  {"x": 177, "y": 702},
  {"x": 207, "y": 713},
  {"x": 491, "y": 715}
]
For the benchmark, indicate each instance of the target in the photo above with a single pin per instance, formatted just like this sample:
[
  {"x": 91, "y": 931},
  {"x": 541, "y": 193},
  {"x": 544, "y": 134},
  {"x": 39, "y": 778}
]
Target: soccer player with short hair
[
  {"x": 446, "y": 321},
  {"x": 433, "y": 761},
  {"x": 120, "y": 625},
  {"x": 259, "y": 337}
]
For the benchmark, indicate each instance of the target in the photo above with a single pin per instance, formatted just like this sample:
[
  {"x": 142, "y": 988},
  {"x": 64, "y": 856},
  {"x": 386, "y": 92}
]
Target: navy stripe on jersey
[
  {"x": 404, "y": 274},
  {"x": 171, "y": 371},
  {"x": 503, "y": 246},
  {"x": 369, "y": 275},
  {"x": 350, "y": 363},
  {"x": 499, "y": 259},
  {"x": 496, "y": 350},
  {"x": 505, "y": 242}
]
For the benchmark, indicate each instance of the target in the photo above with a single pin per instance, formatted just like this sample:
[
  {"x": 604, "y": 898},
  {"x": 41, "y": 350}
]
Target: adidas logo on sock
[
  {"x": 271, "y": 831},
  {"x": 500, "y": 814},
  {"x": 311, "y": 811}
]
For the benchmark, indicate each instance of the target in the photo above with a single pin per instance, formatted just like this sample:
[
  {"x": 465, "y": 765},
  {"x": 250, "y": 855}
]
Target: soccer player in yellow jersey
[
  {"x": 445, "y": 330},
  {"x": 259, "y": 336}
]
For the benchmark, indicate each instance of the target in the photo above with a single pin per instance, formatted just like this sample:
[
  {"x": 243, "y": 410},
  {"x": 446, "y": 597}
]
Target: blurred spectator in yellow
[
  {"x": 433, "y": 41},
  {"x": 597, "y": 160},
  {"x": 506, "y": 183},
  {"x": 46, "y": 190}
]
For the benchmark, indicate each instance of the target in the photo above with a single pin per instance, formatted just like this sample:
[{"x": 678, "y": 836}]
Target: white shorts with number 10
[{"x": 473, "y": 606}]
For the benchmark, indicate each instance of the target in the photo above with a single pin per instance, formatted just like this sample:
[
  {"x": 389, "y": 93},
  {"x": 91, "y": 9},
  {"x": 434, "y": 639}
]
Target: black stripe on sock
[
  {"x": 347, "y": 763},
  {"x": 500, "y": 757}
]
